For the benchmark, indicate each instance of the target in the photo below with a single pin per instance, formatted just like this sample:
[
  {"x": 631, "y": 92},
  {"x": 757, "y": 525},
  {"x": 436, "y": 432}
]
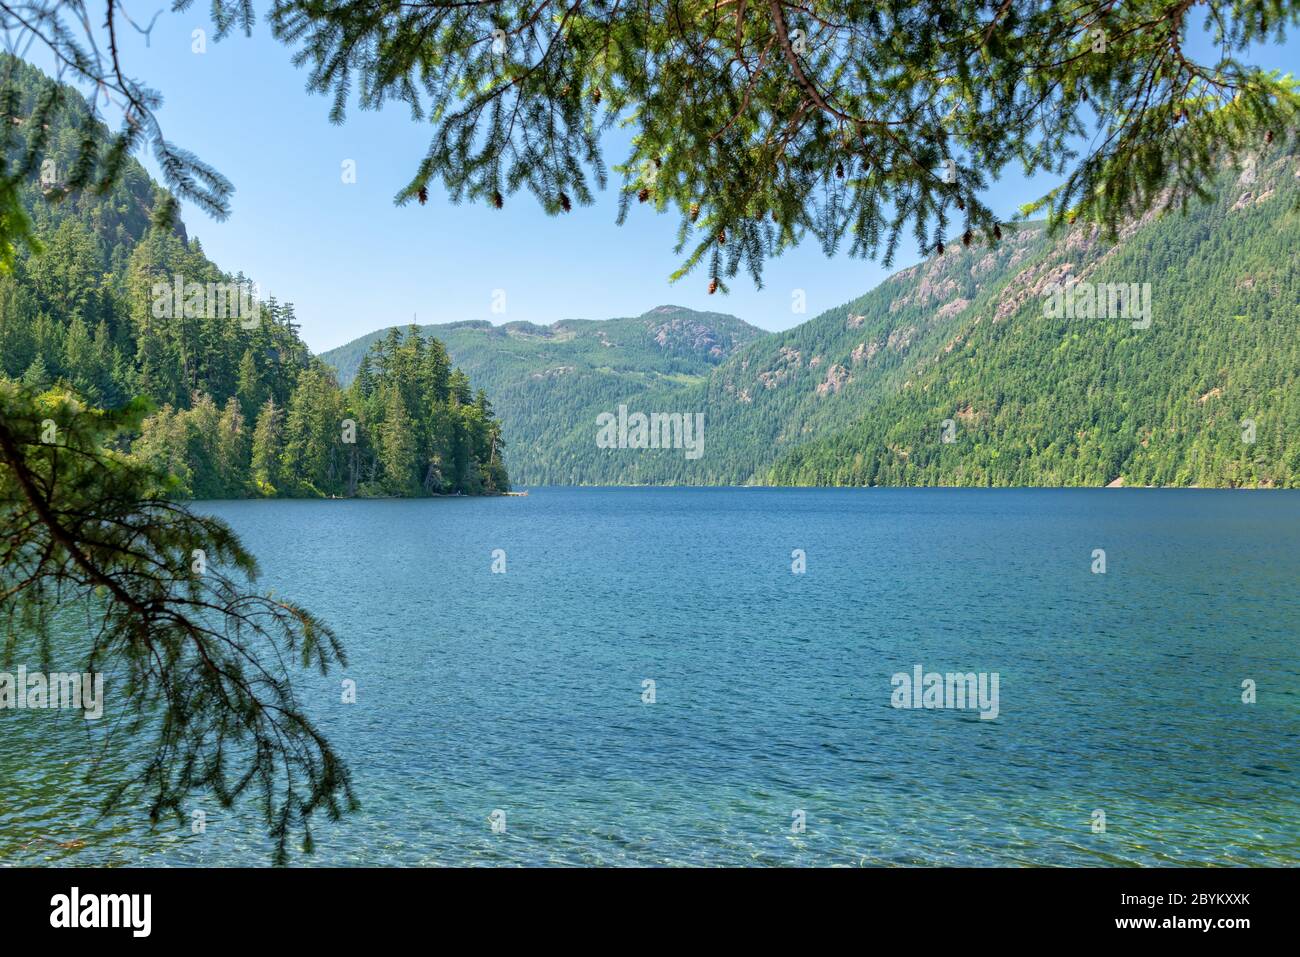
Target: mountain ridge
[{"x": 710, "y": 343}]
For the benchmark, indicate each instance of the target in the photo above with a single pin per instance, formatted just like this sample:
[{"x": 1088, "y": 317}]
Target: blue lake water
[{"x": 1118, "y": 692}]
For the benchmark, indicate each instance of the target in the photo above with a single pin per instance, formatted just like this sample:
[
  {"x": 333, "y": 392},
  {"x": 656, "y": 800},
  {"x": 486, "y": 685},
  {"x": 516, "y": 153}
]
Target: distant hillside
[
  {"x": 668, "y": 340},
  {"x": 547, "y": 381},
  {"x": 956, "y": 347},
  {"x": 790, "y": 387}
]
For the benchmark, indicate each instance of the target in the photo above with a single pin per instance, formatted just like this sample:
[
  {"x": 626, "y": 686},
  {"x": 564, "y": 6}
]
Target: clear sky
[{"x": 352, "y": 262}]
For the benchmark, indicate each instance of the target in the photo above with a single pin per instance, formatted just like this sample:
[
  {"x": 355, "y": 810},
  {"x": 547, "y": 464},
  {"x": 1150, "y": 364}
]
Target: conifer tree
[
  {"x": 233, "y": 449},
  {"x": 37, "y": 377},
  {"x": 249, "y": 385},
  {"x": 311, "y": 455},
  {"x": 365, "y": 378},
  {"x": 90, "y": 524},
  {"x": 762, "y": 124},
  {"x": 397, "y": 449},
  {"x": 202, "y": 652},
  {"x": 268, "y": 438}
]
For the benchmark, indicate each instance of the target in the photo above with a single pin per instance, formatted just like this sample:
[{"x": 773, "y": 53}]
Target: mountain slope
[{"x": 1208, "y": 395}]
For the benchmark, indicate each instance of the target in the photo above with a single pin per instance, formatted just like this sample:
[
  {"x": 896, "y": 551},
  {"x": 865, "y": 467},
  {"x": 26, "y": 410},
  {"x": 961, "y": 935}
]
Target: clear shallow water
[{"x": 522, "y": 691}]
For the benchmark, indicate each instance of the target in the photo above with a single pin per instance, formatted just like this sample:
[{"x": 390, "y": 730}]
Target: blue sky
[{"x": 352, "y": 262}]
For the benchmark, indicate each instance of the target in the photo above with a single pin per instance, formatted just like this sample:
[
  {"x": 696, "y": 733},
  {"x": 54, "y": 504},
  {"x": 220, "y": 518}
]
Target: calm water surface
[{"x": 523, "y": 691}]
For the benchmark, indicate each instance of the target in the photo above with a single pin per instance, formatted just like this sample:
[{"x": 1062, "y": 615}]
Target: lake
[{"x": 772, "y": 737}]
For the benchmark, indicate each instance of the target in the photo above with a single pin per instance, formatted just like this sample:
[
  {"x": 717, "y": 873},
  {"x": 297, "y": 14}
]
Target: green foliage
[
  {"x": 49, "y": 128},
  {"x": 762, "y": 124},
  {"x": 418, "y": 428},
  {"x": 268, "y": 443},
  {"x": 169, "y": 610},
  {"x": 84, "y": 313}
]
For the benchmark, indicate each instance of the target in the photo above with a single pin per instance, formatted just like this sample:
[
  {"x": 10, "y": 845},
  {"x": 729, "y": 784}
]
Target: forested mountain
[
  {"x": 548, "y": 381},
  {"x": 1207, "y": 395},
  {"x": 790, "y": 387},
  {"x": 667, "y": 341},
  {"x": 952, "y": 372},
  {"x": 114, "y": 306}
]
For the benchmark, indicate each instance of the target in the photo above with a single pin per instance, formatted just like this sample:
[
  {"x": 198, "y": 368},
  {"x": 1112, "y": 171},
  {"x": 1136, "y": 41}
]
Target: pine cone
[
  {"x": 695, "y": 211},
  {"x": 713, "y": 285},
  {"x": 423, "y": 195},
  {"x": 497, "y": 201},
  {"x": 595, "y": 94},
  {"x": 643, "y": 195},
  {"x": 564, "y": 203},
  {"x": 722, "y": 237},
  {"x": 839, "y": 170},
  {"x": 966, "y": 238}
]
